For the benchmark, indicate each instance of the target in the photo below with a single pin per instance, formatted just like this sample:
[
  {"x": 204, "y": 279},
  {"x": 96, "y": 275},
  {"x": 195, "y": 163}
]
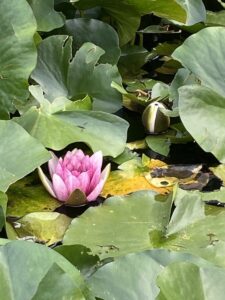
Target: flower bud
[{"x": 154, "y": 120}]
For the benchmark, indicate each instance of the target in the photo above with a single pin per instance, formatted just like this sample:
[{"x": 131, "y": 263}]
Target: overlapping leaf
[
  {"x": 20, "y": 153},
  {"x": 47, "y": 18},
  {"x": 17, "y": 52},
  {"x": 60, "y": 76},
  {"x": 127, "y": 13},
  {"x": 50, "y": 275}
]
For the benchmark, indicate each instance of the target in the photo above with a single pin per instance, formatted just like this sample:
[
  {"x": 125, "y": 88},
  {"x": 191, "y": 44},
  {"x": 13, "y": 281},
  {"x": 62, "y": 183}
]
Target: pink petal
[
  {"x": 96, "y": 160},
  {"x": 95, "y": 178},
  {"x": 59, "y": 188},
  {"x": 46, "y": 182},
  {"x": 72, "y": 183},
  {"x": 97, "y": 190},
  {"x": 84, "y": 181},
  {"x": 59, "y": 167},
  {"x": 79, "y": 154},
  {"x": 67, "y": 157},
  {"x": 52, "y": 163}
]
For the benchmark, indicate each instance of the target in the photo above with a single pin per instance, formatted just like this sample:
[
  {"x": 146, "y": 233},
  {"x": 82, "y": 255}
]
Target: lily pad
[
  {"x": 97, "y": 32},
  {"x": 77, "y": 126},
  {"x": 111, "y": 281},
  {"x": 17, "y": 52},
  {"x": 197, "y": 49},
  {"x": 46, "y": 268},
  {"x": 202, "y": 113},
  {"x": 16, "y": 160},
  {"x": 61, "y": 75},
  {"x": 47, "y": 18},
  {"x": 121, "y": 225}
]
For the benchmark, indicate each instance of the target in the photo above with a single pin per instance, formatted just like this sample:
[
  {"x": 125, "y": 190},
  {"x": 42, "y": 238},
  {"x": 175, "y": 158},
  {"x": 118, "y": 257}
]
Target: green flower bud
[{"x": 154, "y": 120}]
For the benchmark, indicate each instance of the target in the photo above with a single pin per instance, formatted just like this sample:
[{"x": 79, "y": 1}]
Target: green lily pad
[
  {"x": 50, "y": 274},
  {"x": 47, "y": 18},
  {"x": 17, "y": 52},
  {"x": 77, "y": 126},
  {"x": 16, "y": 160},
  {"x": 60, "y": 75},
  {"x": 121, "y": 225},
  {"x": 118, "y": 280},
  {"x": 198, "y": 49},
  {"x": 202, "y": 113},
  {"x": 97, "y": 32}
]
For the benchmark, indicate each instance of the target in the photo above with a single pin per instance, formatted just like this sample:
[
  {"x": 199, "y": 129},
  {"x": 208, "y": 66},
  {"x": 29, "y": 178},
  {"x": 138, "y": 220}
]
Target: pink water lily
[{"x": 76, "y": 171}]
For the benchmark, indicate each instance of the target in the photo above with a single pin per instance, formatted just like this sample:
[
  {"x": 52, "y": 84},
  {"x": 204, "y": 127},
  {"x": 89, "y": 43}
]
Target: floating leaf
[
  {"x": 198, "y": 49},
  {"x": 17, "y": 52},
  {"x": 47, "y": 18},
  {"x": 61, "y": 75},
  {"x": 121, "y": 225},
  {"x": 108, "y": 281},
  {"x": 46, "y": 268},
  {"x": 97, "y": 32},
  {"x": 77, "y": 126},
  {"x": 20, "y": 153},
  {"x": 202, "y": 113}
]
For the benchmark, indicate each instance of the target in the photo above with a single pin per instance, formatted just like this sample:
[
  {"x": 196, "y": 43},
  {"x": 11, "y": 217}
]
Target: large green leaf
[
  {"x": 49, "y": 276},
  {"x": 202, "y": 113},
  {"x": 77, "y": 126},
  {"x": 205, "y": 46},
  {"x": 17, "y": 52},
  {"x": 126, "y": 14},
  {"x": 97, "y": 32},
  {"x": 47, "y": 18},
  {"x": 60, "y": 75},
  {"x": 134, "y": 276},
  {"x": 121, "y": 225},
  {"x": 20, "y": 153}
]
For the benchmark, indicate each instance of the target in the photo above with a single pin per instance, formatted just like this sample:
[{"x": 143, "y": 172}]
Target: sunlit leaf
[
  {"x": 43, "y": 227},
  {"x": 121, "y": 225}
]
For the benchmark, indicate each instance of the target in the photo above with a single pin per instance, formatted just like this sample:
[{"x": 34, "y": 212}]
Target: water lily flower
[{"x": 75, "y": 172}]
